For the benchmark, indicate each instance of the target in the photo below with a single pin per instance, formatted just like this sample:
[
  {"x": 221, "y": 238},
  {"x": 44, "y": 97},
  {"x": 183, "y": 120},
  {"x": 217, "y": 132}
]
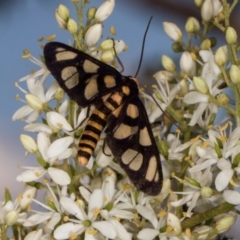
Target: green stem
[{"x": 202, "y": 217}]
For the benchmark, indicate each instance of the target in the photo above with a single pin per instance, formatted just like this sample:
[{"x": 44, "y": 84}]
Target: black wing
[
  {"x": 81, "y": 76},
  {"x": 130, "y": 138}
]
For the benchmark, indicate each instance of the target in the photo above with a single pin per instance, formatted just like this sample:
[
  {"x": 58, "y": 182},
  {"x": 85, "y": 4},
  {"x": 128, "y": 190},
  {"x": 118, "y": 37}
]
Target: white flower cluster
[{"x": 200, "y": 160}]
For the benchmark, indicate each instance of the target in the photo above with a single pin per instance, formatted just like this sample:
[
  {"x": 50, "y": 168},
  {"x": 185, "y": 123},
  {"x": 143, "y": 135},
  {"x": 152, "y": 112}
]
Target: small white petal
[
  {"x": 93, "y": 204},
  {"x": 174, "y": 221},
  {"x": 31, "y": 175},
  {"x": 53, "y": 222},
  {"x": 106, "y": 228},
  {"x": 195, "y": 97},
  {"x": 43, "y": 143},
  {"x": 38, "y": 127},
  {"x": 121, "y": 231},
  {"x": 203, "y": 165},
  {"x": 66, "y": 154},
  {"x": 231, "y": 197},
  {"x": 27, "y": 197},
  {"x": 22, "y": 112},
  {"x": 37, "y": 218},
  {"x": 33, "y": 116},
  {"x": 72, "y": 208},
  {"x": 64, "y": 231},
  {"x": 64, "y": 107},
  {"x": 85, "y": 193},
  {"x": 51, "y": 91},
  {"x": 223, "y": 164},
  {"x": 59, "y": 176},
  {"x": 34, "y": 235},
  {"x": 148, "y": 214},
  {"x": 58, "y": 121},
  {"x": 59, "y": 146},
  {"x": 148, "y": 233},
  {"x": 223, "y": 178},
  {"x": 108, "y": 188}
]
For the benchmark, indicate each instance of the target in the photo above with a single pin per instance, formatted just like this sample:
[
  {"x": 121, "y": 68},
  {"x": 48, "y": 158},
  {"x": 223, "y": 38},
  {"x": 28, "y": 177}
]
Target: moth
[{"x": 118, "y": 110}]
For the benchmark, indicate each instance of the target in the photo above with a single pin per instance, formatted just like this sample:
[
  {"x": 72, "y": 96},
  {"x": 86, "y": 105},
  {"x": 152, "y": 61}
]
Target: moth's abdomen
[
  {"x": 96, "y": 123},
  {"x": 91, "y": 135}
]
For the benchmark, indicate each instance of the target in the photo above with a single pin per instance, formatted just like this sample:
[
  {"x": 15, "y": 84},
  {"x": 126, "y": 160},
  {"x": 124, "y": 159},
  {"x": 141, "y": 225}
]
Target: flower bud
[
  {"x": 235, "y": 74},
  {"x": 192, "y": 25},
  {"x": 168, "y": 63},
  {"x": 11, "y": 217},
  {"x": 213, "y": 41},
  {"x": 177, "y": 47},
  {"x": 206, "y": 192},
  {"x": 28, "y": 143},
  {"x": 34, "y": 102},
  {"x": 63, "y": 12},
  {"x": 61, "y": 23},
  {"x": 193, "y": 182},
  {"x": 106, "y": 44},
  {"x": 220, "y": 57},
  {"x": 223, "y": 98},
  {"x": 93, "y": 34},
  {"x": 225, "y": 223},
  {"x": 184, "y": 88},
  {"x": 72, "y": 26},
  {"x": 105, "y": 10},
  {"x": 198, "y": 3},
  {"x": 200, "y": 85},
  {"x": 231, "y": 35},
  {"x": 187, "y": 64},
  {"x": 205, "y": 45},
  {"x": 108, "y": 56},
  {"x": 173, "y": 31},
  {"x": 91, "y": 13},
  {"x": 207, "y": 10}
]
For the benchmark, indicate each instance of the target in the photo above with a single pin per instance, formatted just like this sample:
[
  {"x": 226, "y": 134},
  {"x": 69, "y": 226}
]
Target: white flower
[
  {"x": 167, "y": 95},
  {"x": 52, "y": 216},
  {"x": 49, "y": 152},
  {"x": 38, "y": 97},
  {"x": 86, "y": 223}
]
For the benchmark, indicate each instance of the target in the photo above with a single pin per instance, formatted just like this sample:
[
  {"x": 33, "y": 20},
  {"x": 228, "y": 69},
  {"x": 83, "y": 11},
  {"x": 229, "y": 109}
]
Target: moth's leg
[{"x": 103, "y": 147}]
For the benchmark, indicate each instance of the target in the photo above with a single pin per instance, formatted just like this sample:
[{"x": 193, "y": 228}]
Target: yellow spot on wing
[
  {"x": 145, "y": 139},
  {"x": 124, "y": 131},
  {"x": 132, "y": 111},
  {"x": 70, "y": 76},
  {"x": 152, "y": 167},
  {"x": 90, "y": 67},
  {"x": 109, "y": 81},
  {"x": 128, "y": 156},
  {"x": 91, "y": 88},
  {"x": 64, "y": 55},
  {"x": 136, "y": 162}
]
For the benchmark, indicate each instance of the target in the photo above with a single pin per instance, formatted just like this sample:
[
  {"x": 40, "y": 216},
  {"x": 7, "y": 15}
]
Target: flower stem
[{"x": 201, "y": 217}]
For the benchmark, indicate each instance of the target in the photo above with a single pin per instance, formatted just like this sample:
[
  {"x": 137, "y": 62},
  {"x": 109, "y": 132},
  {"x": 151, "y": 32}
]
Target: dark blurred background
[{"x": 23, "y": 22}]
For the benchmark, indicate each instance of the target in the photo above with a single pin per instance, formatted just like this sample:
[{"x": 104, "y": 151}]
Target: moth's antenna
[
  {"x": 116, "y": 56},
  {"x": 143, "y": 44}
]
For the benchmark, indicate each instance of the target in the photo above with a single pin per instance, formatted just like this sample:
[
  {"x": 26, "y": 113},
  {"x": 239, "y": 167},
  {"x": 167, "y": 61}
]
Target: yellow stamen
[
  {"x": 162, "y": 213},
  {"x": 51, "y": 37}
]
